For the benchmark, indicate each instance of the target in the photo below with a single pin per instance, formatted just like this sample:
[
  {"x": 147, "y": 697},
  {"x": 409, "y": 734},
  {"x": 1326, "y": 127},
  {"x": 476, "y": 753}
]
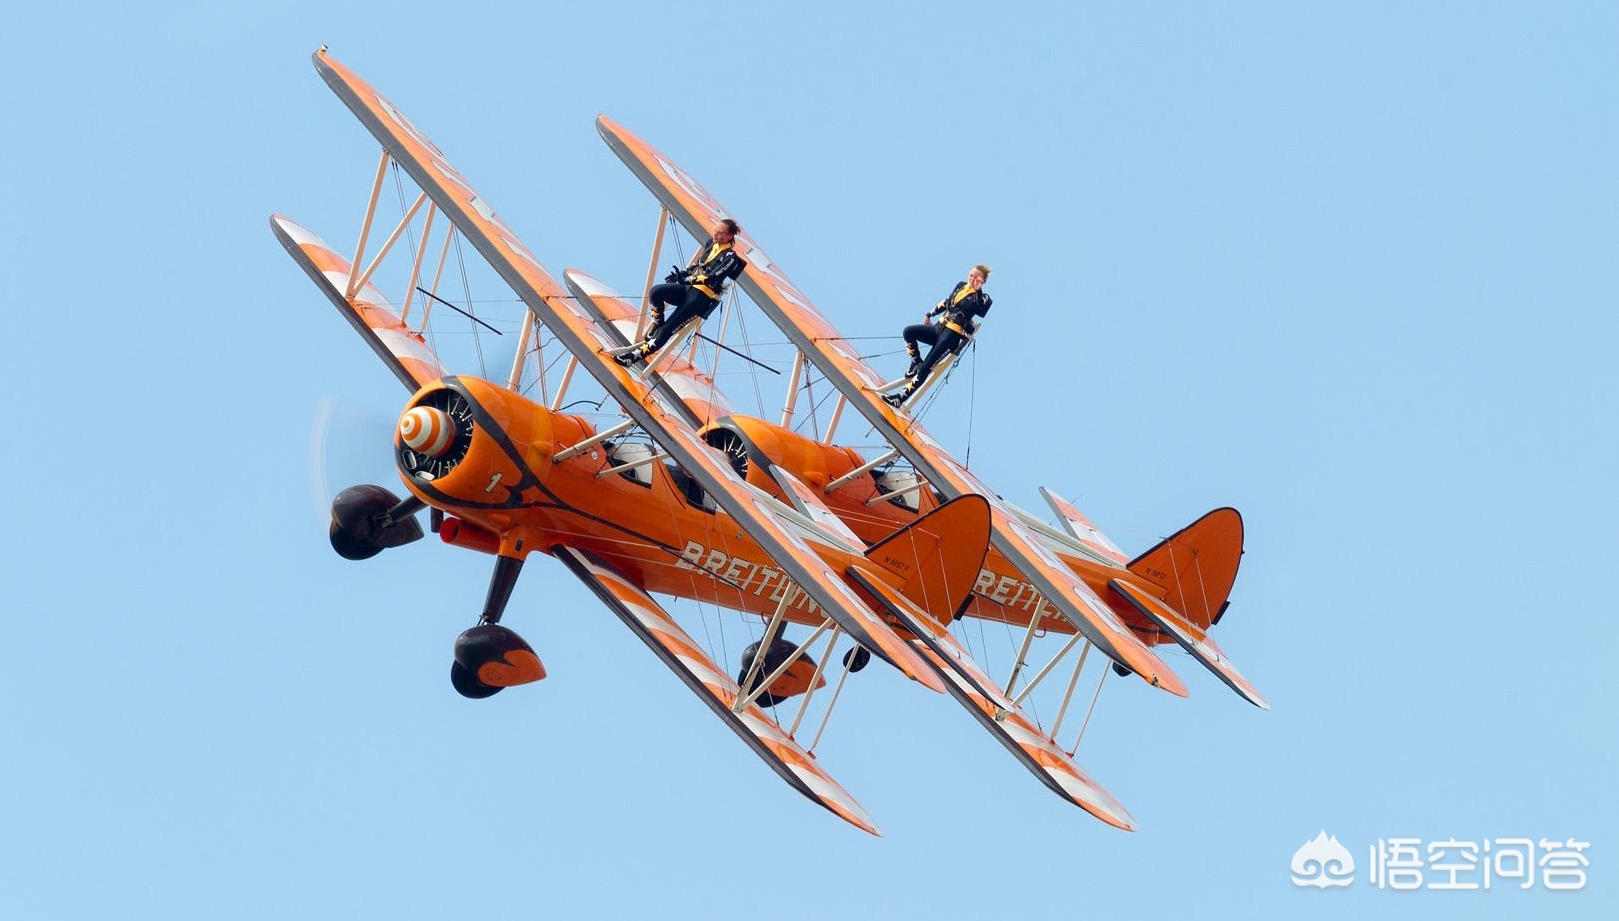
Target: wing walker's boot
[
  {"x": 896, "y": 399},
  {"x": 916, "y": 360},
  {"x": 636, "y": 355}
]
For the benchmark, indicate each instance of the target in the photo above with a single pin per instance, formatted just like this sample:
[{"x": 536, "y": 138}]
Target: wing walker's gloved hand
[{"x": 676, "y": 275}]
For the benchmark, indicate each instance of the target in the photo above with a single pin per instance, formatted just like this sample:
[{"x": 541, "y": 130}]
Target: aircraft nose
[{"x": 427, "y": 430}]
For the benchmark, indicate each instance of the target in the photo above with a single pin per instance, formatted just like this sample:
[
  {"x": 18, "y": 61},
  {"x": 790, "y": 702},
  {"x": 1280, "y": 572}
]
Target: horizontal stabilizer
[
  {"x": 1194, "y": 641},
  {"x": 717, "y": 689},
  {"x": 1080, "y": 528}
]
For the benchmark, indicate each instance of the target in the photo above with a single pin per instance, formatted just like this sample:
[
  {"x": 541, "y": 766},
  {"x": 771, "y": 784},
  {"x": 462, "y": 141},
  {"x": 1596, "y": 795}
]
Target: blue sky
[{"x": 1347, "y": 269}]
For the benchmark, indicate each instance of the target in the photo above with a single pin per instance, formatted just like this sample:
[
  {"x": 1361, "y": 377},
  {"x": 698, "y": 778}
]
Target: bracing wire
[{"x": 972, "y": 404}]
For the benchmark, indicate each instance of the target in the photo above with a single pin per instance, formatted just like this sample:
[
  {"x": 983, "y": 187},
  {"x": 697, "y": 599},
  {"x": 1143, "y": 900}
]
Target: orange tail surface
[
  {"x": 939, "y": 555},
  {"x": 1197, "y": 565}
]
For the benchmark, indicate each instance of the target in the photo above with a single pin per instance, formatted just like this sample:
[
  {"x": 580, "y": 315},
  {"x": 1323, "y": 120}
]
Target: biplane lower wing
[
  {"x": 996, "y": 712},
  {"x": 401, "y": 349},
  {"x": 1031, "y": 747},
  {"x": 688, "y": 661},
  {"x": 585, "y": 336},
  {"x": 1201, "y": 647},
  {"x": 999, "y": 714},
  {"x": 836, "y": 358}
]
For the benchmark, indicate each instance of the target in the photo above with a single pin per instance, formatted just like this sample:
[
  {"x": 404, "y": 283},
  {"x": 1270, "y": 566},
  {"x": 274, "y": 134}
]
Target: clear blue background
[{"x": 1346, "y": 267}]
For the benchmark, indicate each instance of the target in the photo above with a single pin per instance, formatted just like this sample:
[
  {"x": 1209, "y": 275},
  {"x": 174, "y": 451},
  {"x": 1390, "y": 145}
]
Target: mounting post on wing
[
  {"x": 774, "y": 627},
  {"x": 594, "y": 440},
  {"x": 649, "y": 459},
  {"x": 792, "y": 391},
  {"x": 641, "y": 329},
  {"x": 1073, "y": 681},
  {"x": 725, "y": 326},
  {"x": 837, "y": 416},
  {"x": 1087, "y": 722},
  {"x": 770, "y": 679},
  {"x": 388, "y": 244},
  {"x": 815, "y": 679},
  {"x": 567, "y": 378},
  {"x": 416, "y": 264},
  {"x": 1023, "y": 651},
  {"x": 859, "y": 472},
  {"x": 438, "y": 274},
  {"x": 349, "y": 287},
  {"x": 1041, "y": 676},
  {"x": 523, "y": 336}
]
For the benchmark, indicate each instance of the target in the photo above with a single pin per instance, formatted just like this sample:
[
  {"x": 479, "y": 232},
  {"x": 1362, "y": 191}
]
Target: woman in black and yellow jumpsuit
[
  {"x": 965, "y": 301},
  {"x": 694, "y": 291}
]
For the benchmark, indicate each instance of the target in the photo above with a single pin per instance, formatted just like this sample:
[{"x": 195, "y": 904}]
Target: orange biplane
[{"x": 683, "y": 496}]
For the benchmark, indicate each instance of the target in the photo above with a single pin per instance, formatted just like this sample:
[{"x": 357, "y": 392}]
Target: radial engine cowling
[{"x": 466, "y": 443}]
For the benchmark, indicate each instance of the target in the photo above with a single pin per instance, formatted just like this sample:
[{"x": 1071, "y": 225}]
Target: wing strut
[
  {"x": 859, "y": 472},
  {"x": 764, "y": 685},
  {"x": 815, "y": 683},
  {"x": 651, "y": 273},
  {"x": 352, "y": 286}
]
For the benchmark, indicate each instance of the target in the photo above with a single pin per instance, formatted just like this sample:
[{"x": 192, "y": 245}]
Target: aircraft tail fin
[
  {"x": 939, "y": 555},
  {"x": 1196, "y": 566}
]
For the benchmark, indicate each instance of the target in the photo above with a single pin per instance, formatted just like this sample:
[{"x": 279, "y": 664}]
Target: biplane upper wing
[
  {"x": 402, "y": 349},
  {"x": 585, "y": 337},
  {"x": 832, "y": 355},
  {"x": 686, "y": 659}
]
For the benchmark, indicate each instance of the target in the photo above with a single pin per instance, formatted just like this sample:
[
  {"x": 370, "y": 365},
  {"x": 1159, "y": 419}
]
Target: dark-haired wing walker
[
  {"x": 954, "y": 330},
  {"x": 693, "y": 292}
]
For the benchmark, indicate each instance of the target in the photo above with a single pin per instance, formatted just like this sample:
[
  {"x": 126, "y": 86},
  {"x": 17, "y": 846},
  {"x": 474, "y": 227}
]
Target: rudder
[
  {"x": 1196, "y": 566},
  {"x": 939, "y": 555}
]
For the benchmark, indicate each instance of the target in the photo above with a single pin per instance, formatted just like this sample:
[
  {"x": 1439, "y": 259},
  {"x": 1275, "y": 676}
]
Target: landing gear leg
[{"x": 490, "y": 657}]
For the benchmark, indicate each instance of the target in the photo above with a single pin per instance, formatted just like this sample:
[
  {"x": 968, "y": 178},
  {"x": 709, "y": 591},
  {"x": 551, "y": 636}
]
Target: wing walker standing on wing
[
  {"x": 695, "y": 291},
  {"x": 958, "y": 315}
]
